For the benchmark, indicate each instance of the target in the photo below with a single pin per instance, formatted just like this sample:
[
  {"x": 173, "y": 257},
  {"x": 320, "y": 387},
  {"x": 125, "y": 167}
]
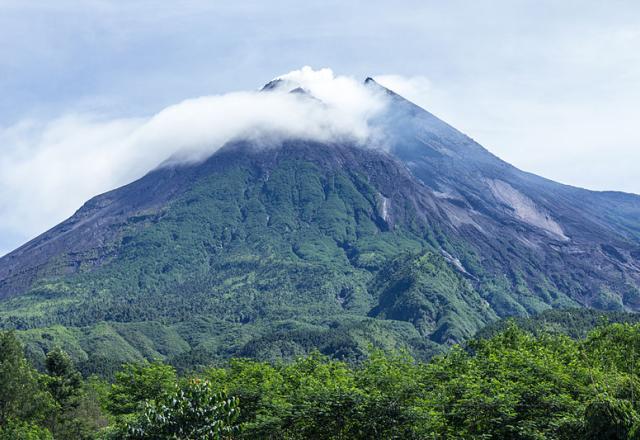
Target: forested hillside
[
  {"x": 575, "y": 323},
  {"x": 513, "y": 385}
]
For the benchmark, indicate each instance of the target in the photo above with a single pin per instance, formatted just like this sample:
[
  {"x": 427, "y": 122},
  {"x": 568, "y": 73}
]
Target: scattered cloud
[{"x": 50, "y": 168}]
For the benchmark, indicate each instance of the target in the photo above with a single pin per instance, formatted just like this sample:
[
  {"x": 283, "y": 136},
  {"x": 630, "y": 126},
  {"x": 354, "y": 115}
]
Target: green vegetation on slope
[
  {"x": 514, "y": 385},
  {"x": 575, "y": 323},
  {"x": 264, "y": 264},
  {"x": 273, "y": 255}
]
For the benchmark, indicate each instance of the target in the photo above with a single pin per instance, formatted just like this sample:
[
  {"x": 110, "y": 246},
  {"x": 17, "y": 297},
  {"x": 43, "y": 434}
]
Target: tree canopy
[{"x": 512, "y": 385}]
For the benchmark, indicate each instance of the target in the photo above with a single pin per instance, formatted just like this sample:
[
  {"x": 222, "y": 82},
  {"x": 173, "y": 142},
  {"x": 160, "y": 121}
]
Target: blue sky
[{"x": 550, "y": 86}]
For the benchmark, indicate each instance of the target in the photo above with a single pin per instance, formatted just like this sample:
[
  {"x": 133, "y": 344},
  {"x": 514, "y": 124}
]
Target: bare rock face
[{"x": 525, "y": 209}]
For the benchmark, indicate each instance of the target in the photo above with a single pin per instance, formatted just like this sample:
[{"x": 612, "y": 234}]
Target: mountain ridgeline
[{"x": 271, "y": 252}]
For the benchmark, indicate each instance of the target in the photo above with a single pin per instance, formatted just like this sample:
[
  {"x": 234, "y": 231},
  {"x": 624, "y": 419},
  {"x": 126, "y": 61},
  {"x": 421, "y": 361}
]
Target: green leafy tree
[
  {"x": 21, "y": 394},
  {"x": 316, "y": 397},
  {"x": 138, "y": 383},
  {"x": 195, "y": 412},
  {"x": 261, "y": 389},
  {"x": 65, "y": 385},
  {"x": 515, "y": 386},
  {"x": 614, "y": 411},
  {"x": 392, "y": 386},
  {"x": 64, "y": 382},
  {"x": 615, "y": 347},
  {"x": 15, "y": 430},
  {"x": 609, "y": 418},
  {"x": 322, "y": 394}
]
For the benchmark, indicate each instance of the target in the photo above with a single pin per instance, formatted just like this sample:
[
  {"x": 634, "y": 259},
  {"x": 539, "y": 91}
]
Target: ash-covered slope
[
  {"x": 271, "y": 252},
  {"x": 584, "y": 243}
]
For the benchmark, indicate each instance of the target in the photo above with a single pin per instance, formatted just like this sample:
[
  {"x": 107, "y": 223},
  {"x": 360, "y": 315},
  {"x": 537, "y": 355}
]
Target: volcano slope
[{"x": 270, "y": 252}]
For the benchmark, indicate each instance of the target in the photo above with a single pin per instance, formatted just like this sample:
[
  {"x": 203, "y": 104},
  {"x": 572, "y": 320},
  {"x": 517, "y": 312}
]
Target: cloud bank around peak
[{"x": 49, "y": 168}]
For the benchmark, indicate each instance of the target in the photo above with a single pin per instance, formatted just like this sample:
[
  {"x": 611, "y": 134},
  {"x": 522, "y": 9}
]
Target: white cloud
[{"x": 49, "y": 169}]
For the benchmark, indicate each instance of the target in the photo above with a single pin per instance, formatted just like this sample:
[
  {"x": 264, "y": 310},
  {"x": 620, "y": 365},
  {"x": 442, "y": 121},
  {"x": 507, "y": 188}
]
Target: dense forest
[{"x": 513, "y": 384}]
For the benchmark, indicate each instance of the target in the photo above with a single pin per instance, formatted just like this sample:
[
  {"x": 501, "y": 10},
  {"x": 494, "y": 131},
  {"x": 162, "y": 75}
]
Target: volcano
[{"x": 337, "y": 246}]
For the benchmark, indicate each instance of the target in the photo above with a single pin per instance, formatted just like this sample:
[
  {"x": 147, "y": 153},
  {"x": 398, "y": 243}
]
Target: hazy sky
[{"x": 550, "y": 86}]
